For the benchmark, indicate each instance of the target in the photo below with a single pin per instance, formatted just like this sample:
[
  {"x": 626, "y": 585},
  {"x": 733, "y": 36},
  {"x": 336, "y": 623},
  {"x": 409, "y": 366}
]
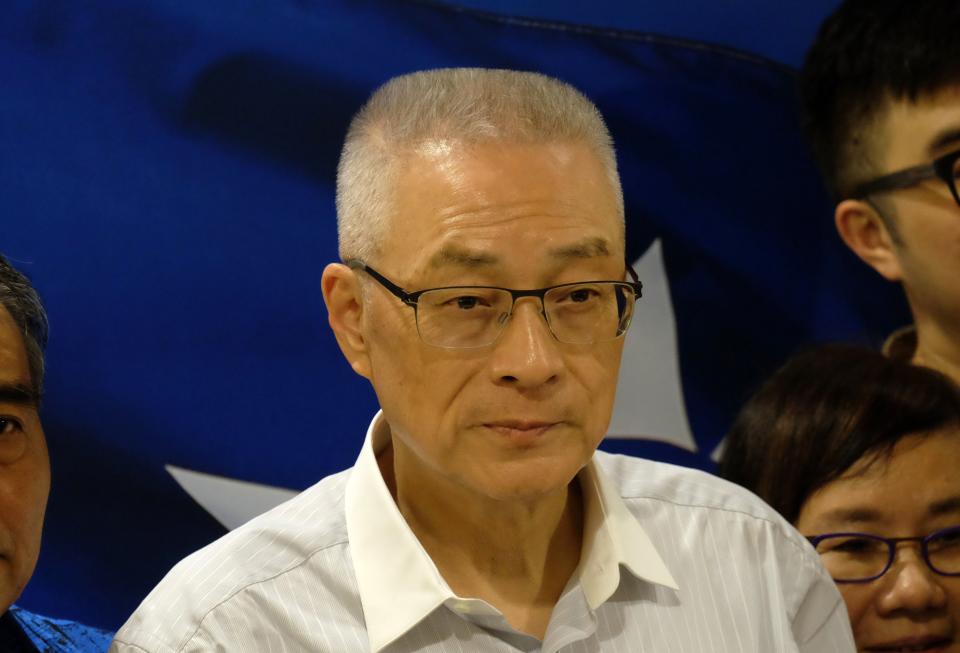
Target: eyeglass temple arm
[
  {"x": 400, "y": 293},
  {"x": 410, "y": 298},
  {"x": 635, "y": 280},
  {"x": 896, "y": 180}
]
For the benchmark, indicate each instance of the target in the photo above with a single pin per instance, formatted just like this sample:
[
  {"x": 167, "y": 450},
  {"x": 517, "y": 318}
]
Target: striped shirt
[{"x": 673, "y": 561}]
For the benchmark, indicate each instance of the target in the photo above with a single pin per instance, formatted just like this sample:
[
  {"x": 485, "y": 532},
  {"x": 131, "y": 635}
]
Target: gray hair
[
  {"x": 471, "y": 105},
  {"x": 23, "y": 304}
]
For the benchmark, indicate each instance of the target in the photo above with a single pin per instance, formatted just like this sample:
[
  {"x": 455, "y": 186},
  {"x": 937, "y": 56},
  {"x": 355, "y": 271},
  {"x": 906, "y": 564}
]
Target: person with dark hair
[
  {"x": 25, "y": 474},
  {"x": 881, "y": 102},
  {"x": 861, "y": 452}
]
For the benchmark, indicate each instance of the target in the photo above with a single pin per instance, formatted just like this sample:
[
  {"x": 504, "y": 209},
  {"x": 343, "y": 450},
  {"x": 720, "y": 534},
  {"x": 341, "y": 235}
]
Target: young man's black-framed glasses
[
  {"x": 468, "y": 317},
  {"x": 946, "y": 167},
  {"x": 862, "y": 557}
]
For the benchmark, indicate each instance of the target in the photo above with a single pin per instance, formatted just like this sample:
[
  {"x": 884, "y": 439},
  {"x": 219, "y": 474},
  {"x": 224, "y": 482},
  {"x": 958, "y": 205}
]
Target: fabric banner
[{"x": 167, "y": 174}]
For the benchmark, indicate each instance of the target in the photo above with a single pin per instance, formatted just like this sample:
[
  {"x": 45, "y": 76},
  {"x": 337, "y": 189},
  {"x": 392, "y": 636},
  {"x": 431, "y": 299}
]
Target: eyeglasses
[
  {"x": 467, "y": 317},
  {"x": 861, "y": 558},
  {"x": 946, "y": 167}
]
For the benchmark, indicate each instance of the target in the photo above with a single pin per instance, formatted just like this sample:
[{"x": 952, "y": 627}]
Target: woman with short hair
[{"x": 862, "y": 454}]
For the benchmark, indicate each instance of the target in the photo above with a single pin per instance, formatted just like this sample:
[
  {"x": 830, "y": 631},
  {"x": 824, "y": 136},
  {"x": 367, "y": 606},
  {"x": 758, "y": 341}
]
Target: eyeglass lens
[
  {"x": 853, "y": 558},
  {"x": 474, "y": 317}
]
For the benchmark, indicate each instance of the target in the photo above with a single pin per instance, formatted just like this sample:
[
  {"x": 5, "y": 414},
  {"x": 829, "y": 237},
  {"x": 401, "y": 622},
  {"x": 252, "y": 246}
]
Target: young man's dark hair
[
  {"x": 868, "y": 53},
  {"x": 881, "y": 107}
]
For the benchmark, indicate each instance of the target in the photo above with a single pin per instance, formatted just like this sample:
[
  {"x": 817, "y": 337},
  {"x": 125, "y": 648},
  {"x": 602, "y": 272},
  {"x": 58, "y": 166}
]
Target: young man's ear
[
  {"x": 342, "y": 295},
  {"x": 866, "y": 233}
]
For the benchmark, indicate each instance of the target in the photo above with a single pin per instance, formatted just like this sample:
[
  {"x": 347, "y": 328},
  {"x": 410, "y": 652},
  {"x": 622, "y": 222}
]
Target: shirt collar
[
  {"x": 398, "y": 583},
  {"x": 612, "y": 537}
]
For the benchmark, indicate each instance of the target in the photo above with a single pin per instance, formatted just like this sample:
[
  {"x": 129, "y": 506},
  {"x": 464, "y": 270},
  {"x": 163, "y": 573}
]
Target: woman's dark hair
[{"x": 825, "y": 410}]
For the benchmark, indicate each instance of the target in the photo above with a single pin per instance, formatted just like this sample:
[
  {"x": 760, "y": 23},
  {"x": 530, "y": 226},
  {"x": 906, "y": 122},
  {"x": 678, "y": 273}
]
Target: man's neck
[
  {"x": 517, "y": 556},
  {"x": 938, "y": 348}
]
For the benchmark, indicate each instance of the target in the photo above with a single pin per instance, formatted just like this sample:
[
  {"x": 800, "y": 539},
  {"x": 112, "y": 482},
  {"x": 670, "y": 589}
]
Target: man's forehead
[
  {"x": 13, "y": 356},
  {"x": 451, "y": 176},
  {"x": 449, "y": 159},
  {"x": 479, "y": 205},
  {"x": 921, "y": 129},
  {"x": 452, "y": 254}
]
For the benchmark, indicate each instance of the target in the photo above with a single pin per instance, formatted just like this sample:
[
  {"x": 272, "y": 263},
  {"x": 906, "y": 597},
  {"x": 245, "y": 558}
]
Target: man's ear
[
  {"x": 342, "y": 295},
  {"x": 866, "y": 233}
]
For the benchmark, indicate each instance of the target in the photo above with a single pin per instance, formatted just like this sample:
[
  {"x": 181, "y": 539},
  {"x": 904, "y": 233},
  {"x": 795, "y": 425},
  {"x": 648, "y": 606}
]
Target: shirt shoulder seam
[
  {"x": 118, "y": 640},
  {"x": 772, "y": 522},
  {"x": 244, "y": 588},
  {"x": 826, "y": 621}
]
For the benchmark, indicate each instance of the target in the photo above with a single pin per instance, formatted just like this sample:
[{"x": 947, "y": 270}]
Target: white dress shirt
[{"x": 673, "y": 561}]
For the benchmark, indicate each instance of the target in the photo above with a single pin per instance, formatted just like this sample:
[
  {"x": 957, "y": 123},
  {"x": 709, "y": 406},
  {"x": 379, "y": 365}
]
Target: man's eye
[
  {"x": 462, "y": 302},
  {"x": 13, "y": 439},
  {"x": 8, "y": 425},
  {"x": 465, "y": 302},
  {"x": 579, "y": 295}
]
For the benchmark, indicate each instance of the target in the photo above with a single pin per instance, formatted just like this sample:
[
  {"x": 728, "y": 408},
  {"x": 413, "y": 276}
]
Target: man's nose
[
  {"x": 526, "y": 354},
  {"x": 911, "y": 586}
]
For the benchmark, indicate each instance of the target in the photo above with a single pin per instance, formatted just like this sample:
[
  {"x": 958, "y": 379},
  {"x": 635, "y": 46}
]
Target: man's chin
[
  {"x": 10, "y": 589},
  {"x": 529, "y": 482},
  {"x": 8, "y": 595}
]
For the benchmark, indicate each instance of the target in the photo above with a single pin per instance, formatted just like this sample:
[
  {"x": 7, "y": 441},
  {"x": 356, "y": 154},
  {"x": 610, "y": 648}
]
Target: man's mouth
[
  {"x": 924, "y": 644},
  {"x": 520, "y": 430}
]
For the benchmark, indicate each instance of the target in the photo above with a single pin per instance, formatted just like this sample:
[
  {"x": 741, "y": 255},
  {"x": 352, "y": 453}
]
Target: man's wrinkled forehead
[
  {"x": 455, "y": 255},
  {"x": 15, "y": 387},
  {"x": 463, "y": 164}
]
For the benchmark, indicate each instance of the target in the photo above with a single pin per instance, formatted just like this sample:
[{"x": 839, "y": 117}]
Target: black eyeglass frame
[
  {"x": 891, "y": 543},
  {"x": 411, "y": 298},
  {"x": 941, "y": 167}
]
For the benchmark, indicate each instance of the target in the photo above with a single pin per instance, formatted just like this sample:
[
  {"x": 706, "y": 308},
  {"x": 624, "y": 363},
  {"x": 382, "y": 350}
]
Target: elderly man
[
  {"x": 881, "y": 92},
  {"x": 484, "y": 294},
  {"x": 25, "y": 474}
]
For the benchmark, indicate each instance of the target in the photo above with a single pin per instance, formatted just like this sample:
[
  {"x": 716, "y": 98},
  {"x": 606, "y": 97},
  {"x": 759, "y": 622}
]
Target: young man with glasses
[
  {"x": 881, "y": 97},
  {"x": 484, "y": 294}
]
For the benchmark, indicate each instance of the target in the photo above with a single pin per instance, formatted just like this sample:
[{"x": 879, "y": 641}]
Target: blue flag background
[{"x": 166, "y": 179}]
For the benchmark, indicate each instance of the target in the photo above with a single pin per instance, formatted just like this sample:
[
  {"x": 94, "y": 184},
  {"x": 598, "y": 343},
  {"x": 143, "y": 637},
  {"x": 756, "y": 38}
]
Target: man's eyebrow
[
  {"x": 944, "y": 506},
  {"x": 17, "y": 393},
  {"x": 590, "y": 248},
  {"x": 468, "y": 258},
  {"x": 948, "y": 137}
]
